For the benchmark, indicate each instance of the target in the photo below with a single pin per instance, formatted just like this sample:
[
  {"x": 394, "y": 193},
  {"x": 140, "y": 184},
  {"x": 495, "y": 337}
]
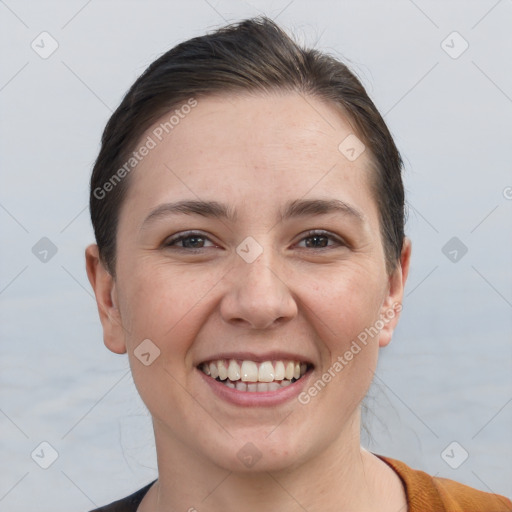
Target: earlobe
[
  {"x": 390, "y": 312},
  {"x": 104, "y": 287}
]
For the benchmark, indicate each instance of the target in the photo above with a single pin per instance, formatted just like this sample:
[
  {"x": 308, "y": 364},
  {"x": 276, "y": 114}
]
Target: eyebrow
[{"x": 216, "y": 210}]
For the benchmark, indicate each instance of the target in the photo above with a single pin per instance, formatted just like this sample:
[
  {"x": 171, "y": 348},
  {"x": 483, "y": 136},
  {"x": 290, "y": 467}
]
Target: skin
[{"x": 254, "y": 153}]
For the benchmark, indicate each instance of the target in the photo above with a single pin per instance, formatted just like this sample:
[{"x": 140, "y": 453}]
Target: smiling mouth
[{"x": 255, "y": 377}]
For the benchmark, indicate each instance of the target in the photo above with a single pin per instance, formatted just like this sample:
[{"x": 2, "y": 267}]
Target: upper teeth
[{"x": 250, "y": 371}]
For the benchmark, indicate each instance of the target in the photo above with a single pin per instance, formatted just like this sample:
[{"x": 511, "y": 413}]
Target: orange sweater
[{"x": 433, "y": 494}]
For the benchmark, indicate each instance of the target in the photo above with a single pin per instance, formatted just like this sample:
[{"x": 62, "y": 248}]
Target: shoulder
[
  {"x": 433, "y": 494},
  {"x": 128, "y": 504},
  {"x": 461, "y": 497}
]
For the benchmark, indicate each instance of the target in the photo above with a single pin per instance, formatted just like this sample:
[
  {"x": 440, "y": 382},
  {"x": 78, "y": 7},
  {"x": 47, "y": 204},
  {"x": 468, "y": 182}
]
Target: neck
[{"x": 339, "y": 477}]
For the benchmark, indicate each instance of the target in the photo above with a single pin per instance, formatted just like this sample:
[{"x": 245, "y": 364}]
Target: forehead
[{"x": 274, "y": 147}]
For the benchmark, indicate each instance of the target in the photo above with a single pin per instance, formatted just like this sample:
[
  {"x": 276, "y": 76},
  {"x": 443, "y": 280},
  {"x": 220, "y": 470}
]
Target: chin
[{"x": 260, "y": 453}]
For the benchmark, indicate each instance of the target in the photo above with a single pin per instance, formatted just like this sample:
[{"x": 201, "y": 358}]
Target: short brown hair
[{"x": 251, "y": 55}]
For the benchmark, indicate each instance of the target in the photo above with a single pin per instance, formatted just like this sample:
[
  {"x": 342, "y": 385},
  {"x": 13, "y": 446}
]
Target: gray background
[{"x": 447, "y": 374}]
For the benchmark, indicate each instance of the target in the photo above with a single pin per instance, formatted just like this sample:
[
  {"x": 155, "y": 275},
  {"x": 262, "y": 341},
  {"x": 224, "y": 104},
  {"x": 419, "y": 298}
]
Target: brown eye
[
  {"x": 188, "y": 241},
  {"x": 320, "y": 240},
  {"x": 317, "y": 241}
]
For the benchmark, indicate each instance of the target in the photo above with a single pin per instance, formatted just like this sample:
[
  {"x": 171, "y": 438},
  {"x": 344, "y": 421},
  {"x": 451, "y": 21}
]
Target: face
[{"x": 271, "y": 272}]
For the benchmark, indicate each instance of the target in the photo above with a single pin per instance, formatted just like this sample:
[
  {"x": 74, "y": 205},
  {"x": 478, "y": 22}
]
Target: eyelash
[{"x": 195, "y": 234}]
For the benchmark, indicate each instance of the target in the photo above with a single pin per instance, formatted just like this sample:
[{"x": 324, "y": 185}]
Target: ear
[
  {"x": 392, "y": 306},
  {"x": 104, "y": 287}
]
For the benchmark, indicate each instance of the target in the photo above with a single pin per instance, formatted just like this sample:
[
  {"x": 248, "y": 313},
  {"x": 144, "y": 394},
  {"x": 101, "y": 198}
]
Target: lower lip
[{"x": 256, "y": 398}]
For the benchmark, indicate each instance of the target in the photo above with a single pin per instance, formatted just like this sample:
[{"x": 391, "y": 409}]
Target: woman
[{"x": 248, "y": 209}]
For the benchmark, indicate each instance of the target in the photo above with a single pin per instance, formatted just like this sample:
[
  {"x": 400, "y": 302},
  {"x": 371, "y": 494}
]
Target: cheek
[
  {"x": 347, "y": 300},
  {"x": 345, "y": 314},
  {"x": 166, "y": 305},
  {"x": 161, "y": 299}
]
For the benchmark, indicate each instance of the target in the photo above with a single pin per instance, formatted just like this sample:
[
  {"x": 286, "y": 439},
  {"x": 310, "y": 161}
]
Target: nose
[{"x": 257, "y": 296}]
